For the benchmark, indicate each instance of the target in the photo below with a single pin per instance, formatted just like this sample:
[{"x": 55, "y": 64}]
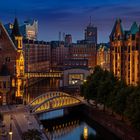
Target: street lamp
[
  {"x": 85, "y": 133},
  {"x": 10, "y": 132}
]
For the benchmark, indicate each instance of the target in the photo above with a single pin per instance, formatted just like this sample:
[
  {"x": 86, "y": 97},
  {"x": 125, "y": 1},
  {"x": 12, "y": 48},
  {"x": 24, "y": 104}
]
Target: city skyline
[{"x": 72, "y": 17}]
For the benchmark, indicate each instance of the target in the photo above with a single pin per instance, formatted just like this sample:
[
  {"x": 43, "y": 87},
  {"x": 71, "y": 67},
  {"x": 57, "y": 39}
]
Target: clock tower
[{"x": 91, "y": 34}]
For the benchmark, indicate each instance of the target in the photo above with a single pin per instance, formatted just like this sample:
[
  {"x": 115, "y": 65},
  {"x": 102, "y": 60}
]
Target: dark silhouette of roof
[
  {"x": 4, "y": 70},
  {"x": 134, "y": 28},
  {"x": 118, "y": 22},
  {"x": 15, "y": 30}
]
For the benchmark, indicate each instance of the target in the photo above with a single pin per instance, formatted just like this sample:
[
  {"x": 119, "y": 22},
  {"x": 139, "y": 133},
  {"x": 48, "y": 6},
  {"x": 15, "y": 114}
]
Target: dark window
[
  {"x": 0, "y": 84},
  {"x": 133, "y": 37},
  {"x": 122, "y": 49},
  {"x": 118, "y": 37},
  {"x": 133, "y": 48},
  {"x": 128, "y": 49},
  {"x": 115, "y": 49},
  {"x": 112, "y": 48},
  {"x": 4, "y": 84},
  {"x": 137, "y": 47},
  {"x": 125, "y": 48},
  {"x": 7, "y": 59}
]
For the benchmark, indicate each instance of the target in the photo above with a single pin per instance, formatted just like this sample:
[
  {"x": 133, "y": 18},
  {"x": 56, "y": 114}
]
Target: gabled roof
[
  {"x": 3, "y": 28},
  {"x": 134, "y": 28},
  {"x": 15, "y": 30},
  {"x": 117, "y": 23}
]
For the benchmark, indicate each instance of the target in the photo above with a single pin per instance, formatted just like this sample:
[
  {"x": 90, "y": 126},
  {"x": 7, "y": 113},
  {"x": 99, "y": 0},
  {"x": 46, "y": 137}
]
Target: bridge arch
[
  {"x": 38, "y": 100},
  {"x": 56, "y": 102}
]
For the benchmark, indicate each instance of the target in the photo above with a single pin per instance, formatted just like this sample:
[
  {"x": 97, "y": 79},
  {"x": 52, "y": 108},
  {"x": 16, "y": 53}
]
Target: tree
[
  {"x": 99, "y": 85},
  {"x": 119, "y": 104},
  {"x": 133, "y": 108},
  {"x": 32, "y": 134},
  {"x": 108, "y": 90}
]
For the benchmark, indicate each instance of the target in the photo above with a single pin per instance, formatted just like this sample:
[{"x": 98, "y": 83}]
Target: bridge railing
[{"x": 45, "y": 74}]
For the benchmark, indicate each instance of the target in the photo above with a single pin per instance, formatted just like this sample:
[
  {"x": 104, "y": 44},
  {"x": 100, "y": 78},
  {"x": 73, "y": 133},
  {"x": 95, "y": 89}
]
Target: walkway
[{"x": 21, "y": 121}]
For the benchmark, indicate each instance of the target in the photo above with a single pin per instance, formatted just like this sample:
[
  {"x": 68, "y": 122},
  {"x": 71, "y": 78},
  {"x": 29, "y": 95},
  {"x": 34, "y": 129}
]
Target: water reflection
[
  {"x": 51, "y": 114},
  {"x": 39, "y": 88},
  {"x": 69, "y": 127}
]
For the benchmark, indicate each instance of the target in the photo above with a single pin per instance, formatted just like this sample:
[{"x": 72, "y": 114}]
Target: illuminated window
[
  {"x": 75, "y": 79},
  {"x": 11, "y": 26}
]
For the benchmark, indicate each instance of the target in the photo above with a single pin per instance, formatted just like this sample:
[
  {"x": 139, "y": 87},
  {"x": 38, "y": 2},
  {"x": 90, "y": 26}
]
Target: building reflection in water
[{"x": 66, "y": 127}]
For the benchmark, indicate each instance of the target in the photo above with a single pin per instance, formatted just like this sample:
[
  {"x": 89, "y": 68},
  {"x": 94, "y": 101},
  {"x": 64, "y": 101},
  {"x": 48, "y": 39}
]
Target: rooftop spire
[
  {"x": 15, "y": 31},
  {"x": 90, "y": 21},
  {"x": 134, "y": 28},
  {"x": 117, "y": 28}
]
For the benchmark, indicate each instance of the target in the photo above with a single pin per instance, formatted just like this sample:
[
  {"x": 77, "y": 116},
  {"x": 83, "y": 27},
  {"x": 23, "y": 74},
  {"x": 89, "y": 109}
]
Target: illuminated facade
[
  {"x": 75, "y": 63},
  {"x": 58, "y": 54},
  {"x": 29, "y": 29},
  {"x": 84, "y": 52},
  {"x": 11, "y": 55},
  {"x": 103, "y": 56},
  {"x": 75, "y": 76},
  {"x": 77, "y": 55},
  {"x": 37, "y": 56},
  {"x": 19, "y": 68},
  {"x": 4, "y": 85},
  {"x": 124, "y": 52}
]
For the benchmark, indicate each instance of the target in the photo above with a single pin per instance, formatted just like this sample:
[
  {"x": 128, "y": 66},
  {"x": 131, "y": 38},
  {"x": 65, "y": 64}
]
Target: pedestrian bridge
[
  {"x": 53, "y": 101},
  {"x": 42, "y": 75}
]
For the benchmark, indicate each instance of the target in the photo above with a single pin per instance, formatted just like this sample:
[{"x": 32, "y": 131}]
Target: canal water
[
  {"x": 67, "y": 126},
  {"x": 39, "y": 88},
  {"x": 72, "y": 126}
]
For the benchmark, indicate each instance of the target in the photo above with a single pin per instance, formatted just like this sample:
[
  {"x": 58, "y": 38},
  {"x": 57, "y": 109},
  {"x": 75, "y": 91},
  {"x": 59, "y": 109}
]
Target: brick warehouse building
[
  {"x": 11, "y": 65},
  {"x": 7, "y": 57},
  {"x": 18, "y": 57},
  {"x": 124, "y": 52}
]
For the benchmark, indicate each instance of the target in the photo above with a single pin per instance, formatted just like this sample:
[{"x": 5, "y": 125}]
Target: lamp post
[
  {"x": 10, "y": 132},
  {"x": 85, "y": 133}
]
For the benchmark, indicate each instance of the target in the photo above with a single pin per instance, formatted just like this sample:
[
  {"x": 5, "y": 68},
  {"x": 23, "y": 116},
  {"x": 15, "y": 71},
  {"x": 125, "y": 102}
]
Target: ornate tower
[
  {"x": 116, "y": 43},
  {"x": 124, "y": 52},
  {"x": 17, "y": 39},
  {"x": 91, "y": 33}
]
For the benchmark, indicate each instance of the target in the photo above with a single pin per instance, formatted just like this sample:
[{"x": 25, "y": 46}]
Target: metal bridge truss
[
  {"x": 54, "y": 103},
  {"x": 38, "y": 100}
]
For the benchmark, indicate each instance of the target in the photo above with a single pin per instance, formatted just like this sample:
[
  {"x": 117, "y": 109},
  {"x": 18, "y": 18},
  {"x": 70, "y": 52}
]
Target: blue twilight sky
[{"x": 71, "y": 16}]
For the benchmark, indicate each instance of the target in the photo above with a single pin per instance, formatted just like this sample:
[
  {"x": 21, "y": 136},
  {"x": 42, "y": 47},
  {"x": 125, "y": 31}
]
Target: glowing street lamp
[
  {"x": 85, "y": 133},
  {"x": 10, "y": 132}
]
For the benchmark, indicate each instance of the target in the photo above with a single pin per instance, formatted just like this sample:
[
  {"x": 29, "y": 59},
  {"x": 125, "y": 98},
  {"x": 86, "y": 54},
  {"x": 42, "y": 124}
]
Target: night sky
[{"x": 71, "y": 16}]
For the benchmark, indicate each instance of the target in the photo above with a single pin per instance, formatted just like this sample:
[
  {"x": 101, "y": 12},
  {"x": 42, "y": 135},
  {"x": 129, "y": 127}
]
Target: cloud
[{"x": 72, "y": 15}]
